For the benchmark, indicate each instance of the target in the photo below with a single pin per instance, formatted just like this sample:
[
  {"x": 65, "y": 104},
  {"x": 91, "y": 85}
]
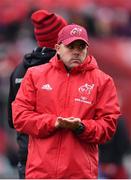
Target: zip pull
[{"x": 68, "y": 74}]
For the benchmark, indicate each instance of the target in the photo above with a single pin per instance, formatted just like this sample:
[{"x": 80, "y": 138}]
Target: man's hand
[{"x": 68, "y": 123}]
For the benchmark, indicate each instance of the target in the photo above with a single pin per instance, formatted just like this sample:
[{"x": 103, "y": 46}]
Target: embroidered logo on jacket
[
  {"x": 47, "y": 87},
  {"x": 85, "y": 90}
]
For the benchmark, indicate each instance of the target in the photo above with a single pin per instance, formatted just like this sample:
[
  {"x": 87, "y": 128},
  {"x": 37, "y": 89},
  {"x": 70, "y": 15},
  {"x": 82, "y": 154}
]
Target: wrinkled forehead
[{"x": 78, "y": 42}]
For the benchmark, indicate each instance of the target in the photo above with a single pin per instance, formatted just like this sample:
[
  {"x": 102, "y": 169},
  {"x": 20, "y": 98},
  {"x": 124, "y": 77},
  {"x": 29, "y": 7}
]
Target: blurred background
[{"x": 109, "y": 27}]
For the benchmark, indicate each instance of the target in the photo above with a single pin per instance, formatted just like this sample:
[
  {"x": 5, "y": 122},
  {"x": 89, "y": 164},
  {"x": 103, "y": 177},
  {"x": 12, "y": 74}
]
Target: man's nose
[{"x": 76, "y": 50}]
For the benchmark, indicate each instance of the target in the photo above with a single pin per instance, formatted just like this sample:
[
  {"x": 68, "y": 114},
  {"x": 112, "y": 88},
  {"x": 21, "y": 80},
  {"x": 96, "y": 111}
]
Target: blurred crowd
[{"x": 109, "y": 28}]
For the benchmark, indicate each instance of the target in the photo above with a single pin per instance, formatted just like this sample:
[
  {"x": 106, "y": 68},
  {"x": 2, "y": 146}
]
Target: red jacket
[{"x": 47, "y": 92}]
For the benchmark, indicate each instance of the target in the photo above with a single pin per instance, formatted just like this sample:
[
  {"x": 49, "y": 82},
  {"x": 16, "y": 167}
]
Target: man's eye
[
  {"x": 70, "y": 46},
  {"x": 82, "y": 46}
]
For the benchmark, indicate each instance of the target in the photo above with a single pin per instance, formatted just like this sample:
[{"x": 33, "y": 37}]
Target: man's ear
[{"x": 57, "y": 47}]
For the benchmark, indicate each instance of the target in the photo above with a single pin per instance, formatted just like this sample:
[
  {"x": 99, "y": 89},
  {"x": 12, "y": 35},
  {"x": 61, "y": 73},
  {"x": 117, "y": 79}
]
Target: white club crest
[
  {"x": 76, "y": 31},
  {"x": 86, "y": 88}
]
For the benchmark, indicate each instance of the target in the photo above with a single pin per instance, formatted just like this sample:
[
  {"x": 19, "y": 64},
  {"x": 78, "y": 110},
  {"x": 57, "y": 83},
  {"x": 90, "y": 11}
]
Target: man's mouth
[{"x": 76, "y": 61}]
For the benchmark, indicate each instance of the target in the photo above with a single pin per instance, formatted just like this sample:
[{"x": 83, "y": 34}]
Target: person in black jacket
[
  {"x": 112, "y": 153},
  {"x": 46, "y": 28}
]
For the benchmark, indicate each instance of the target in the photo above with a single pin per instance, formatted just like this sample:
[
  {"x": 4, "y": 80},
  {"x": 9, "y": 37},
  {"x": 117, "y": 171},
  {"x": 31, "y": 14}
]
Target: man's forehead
[{"x": 77, "y": 42}]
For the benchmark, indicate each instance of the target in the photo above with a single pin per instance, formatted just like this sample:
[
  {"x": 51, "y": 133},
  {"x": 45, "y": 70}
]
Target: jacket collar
[{"x": 88, "y": 64}]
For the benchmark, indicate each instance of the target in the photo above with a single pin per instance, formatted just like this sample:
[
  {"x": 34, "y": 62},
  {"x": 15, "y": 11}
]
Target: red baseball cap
[{"x": 71, "y": 33}]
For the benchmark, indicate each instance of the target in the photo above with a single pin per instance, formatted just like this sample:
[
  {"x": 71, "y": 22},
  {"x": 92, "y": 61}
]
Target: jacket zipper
[
  {"x": 60, "y": 137},
  {"x": 58, "y": 155},
  {"x": 67, "y": 94}
]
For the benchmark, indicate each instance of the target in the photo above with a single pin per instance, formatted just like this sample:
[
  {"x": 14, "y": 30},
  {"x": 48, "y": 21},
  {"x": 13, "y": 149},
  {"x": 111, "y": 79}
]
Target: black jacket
[
  {"x": 114, "y": 150},
  {"x": 37, "y": 57}
]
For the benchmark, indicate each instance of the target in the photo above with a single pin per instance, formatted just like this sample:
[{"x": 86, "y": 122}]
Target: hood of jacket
[
  {"x": 88, "y": 64},
  {"x": 38, "y": 57}
]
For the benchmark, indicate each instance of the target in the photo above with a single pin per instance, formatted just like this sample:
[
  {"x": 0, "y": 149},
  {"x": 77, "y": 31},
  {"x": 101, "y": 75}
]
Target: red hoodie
[{"x": 48, "y": 91}]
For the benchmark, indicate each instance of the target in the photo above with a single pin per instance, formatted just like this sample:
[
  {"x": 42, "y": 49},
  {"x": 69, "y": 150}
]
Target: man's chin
[{"x": 75, "y": 65}]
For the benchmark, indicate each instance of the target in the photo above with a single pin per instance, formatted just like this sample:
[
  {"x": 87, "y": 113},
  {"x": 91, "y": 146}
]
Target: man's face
[{"x": 73, "y": 54}]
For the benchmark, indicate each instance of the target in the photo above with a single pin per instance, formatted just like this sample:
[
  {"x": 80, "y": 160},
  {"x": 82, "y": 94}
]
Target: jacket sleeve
[
  {"x": 18, "y": 72},
  {"x": 103, "y": 126},
  {"x": 26, "y": 118},
  {"x": 11, "y": 98}
]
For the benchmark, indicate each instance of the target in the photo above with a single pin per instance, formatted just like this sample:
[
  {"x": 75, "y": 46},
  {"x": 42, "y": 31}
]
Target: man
[
  {"x": 46, "y": 28},
  {"x": 67, "y": 107}
]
